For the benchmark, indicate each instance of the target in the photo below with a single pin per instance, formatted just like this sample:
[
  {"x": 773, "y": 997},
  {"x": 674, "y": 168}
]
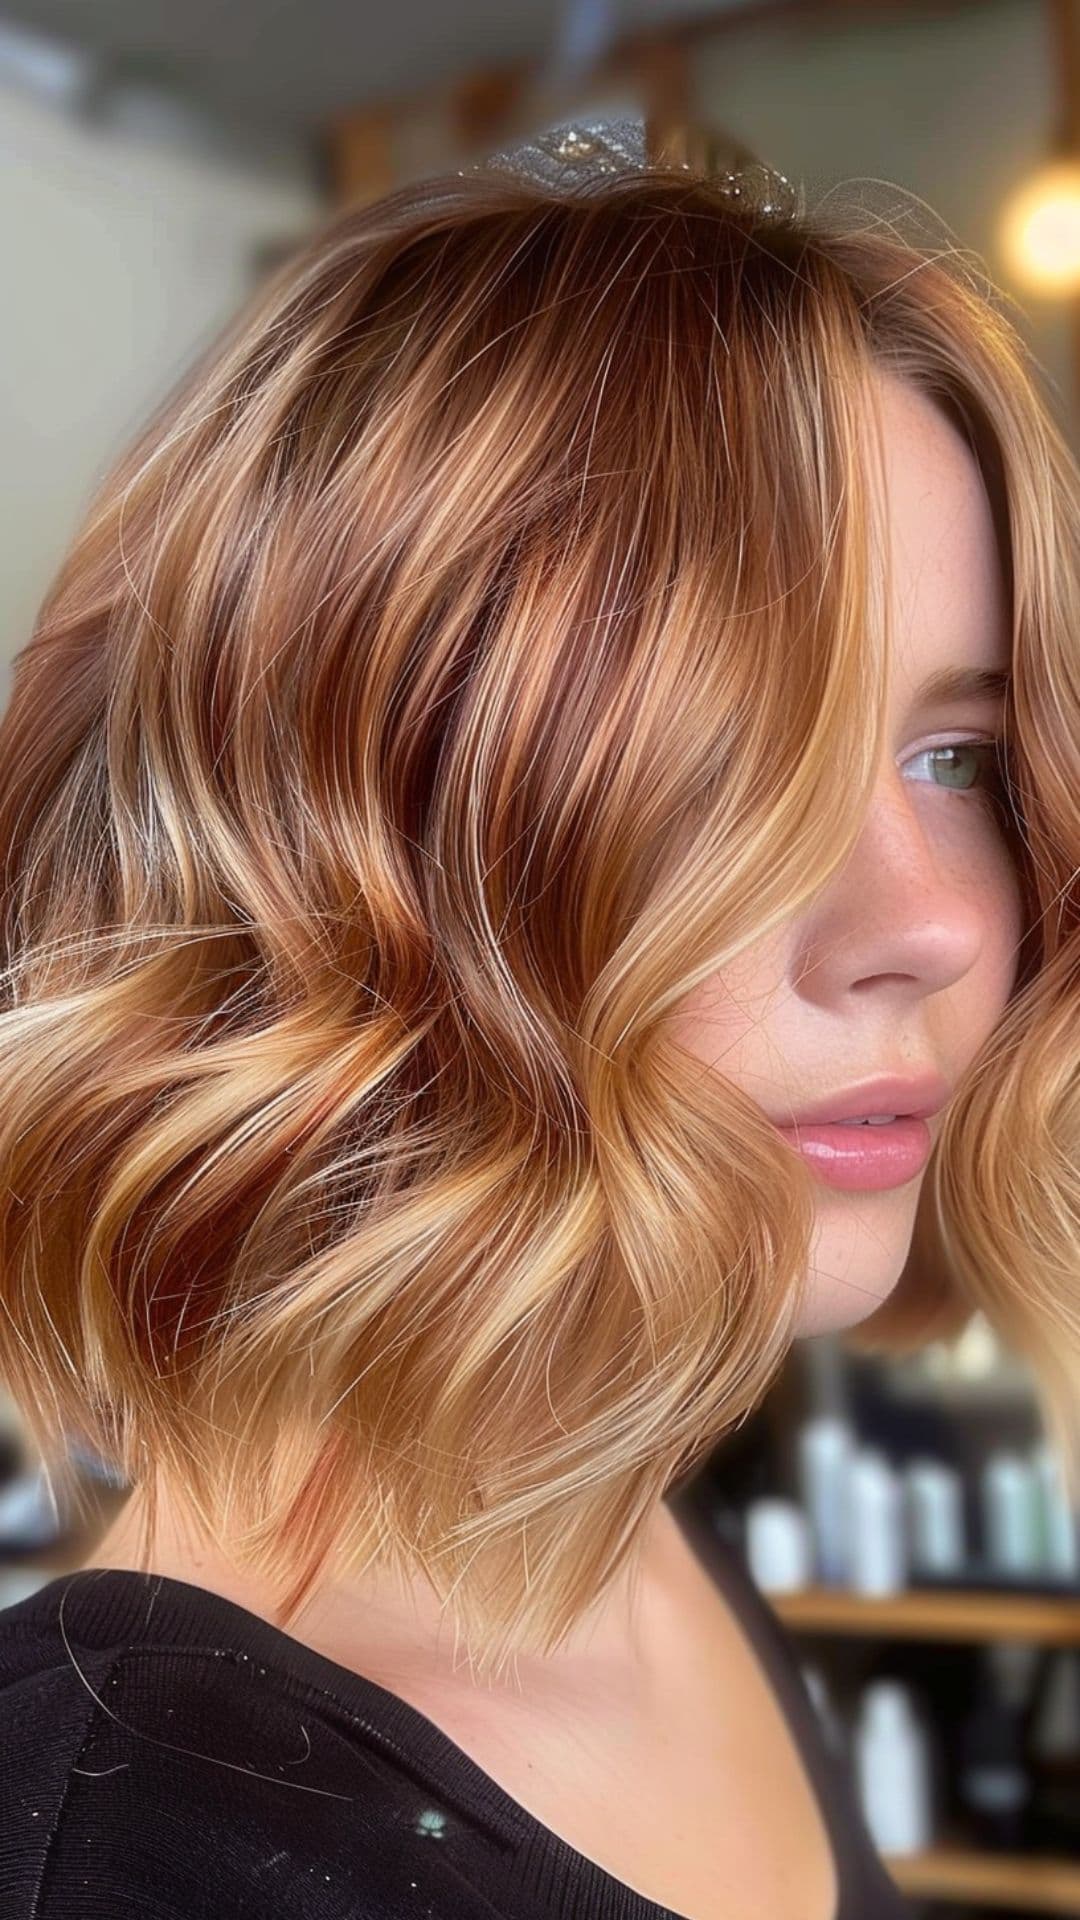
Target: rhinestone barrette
[{"x": 579, "y": 153}]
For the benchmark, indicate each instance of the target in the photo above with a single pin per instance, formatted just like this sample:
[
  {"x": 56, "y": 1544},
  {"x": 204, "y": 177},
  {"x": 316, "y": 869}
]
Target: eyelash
[{"x": 991, "y": 764}]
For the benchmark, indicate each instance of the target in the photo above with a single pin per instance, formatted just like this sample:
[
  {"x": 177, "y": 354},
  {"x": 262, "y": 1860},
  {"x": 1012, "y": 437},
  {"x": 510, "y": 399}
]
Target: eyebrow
[{"x": 954, "y": 684}]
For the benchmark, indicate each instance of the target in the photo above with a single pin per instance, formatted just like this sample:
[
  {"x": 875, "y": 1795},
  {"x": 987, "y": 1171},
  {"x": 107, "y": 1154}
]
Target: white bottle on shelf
[
  {"x": 825, "y": 1447},
  {"x": 877, "y": 1550},
  {"x": 892, "y": 1769},
  {"x": 1010, "y": 1516},
  {"x": 934, "y": 1505},
  {"x": 778, "y": 1545},
  {"x": 1058, "y": 1523},
  {"x": 29, "y": 1513}
]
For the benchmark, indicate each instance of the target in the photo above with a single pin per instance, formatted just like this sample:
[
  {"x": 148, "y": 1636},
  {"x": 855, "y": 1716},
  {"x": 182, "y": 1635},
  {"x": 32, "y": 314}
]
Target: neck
[{"x": 398, "y": 1636}]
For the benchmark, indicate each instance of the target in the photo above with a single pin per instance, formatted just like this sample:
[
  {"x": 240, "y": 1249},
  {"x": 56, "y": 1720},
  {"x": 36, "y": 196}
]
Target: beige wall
[{"x": 119, "y": 261}]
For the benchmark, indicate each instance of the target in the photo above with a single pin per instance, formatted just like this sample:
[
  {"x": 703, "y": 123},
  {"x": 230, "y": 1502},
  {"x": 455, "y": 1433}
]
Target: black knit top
[{"x": 167, "y": 1755}]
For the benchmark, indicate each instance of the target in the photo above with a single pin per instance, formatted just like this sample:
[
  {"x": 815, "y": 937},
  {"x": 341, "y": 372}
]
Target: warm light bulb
[{"x": 1040, "y": 230}]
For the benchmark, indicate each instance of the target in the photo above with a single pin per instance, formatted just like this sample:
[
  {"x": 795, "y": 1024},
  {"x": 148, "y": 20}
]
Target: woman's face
[{"x": 905, "y": 963}]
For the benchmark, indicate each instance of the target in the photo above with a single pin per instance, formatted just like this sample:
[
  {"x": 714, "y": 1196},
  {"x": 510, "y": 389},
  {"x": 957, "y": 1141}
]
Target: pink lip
[
  {"x": 863, "y": 1159},
  {"x": 914, "y": 1096}
]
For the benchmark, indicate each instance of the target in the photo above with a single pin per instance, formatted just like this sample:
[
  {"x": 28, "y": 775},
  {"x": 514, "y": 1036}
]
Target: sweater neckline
[{"x": 103, "y": 1607}]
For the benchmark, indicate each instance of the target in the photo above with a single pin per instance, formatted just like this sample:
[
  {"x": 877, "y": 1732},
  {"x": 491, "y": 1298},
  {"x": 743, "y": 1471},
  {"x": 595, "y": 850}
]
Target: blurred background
[{"x": 905, "y": 1514}]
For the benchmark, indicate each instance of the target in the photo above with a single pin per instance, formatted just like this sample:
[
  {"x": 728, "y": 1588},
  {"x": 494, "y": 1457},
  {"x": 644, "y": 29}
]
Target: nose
[{"x": 903, "y": 916}]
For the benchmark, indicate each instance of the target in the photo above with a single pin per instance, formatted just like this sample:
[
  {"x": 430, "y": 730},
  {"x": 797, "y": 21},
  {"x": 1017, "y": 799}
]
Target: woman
[{"x": 577, "y": 686}]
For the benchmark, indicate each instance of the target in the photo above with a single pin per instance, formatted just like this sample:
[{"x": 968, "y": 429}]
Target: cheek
[
  {"x": 964, "y": 1016},
  {"x": 981, "y": 854},
  {"x": 730, "y": 1005}
]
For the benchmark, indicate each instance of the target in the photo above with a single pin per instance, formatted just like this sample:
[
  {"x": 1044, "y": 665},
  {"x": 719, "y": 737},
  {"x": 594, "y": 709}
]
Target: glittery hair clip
[{"x": 575, "y": 154}]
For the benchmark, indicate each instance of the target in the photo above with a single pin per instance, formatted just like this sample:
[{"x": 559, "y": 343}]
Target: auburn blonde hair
[{"x": 477, "y": 650}]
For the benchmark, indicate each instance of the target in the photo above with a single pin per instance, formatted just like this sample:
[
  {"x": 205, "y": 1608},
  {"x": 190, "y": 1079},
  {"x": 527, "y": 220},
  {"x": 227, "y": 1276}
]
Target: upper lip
[{"x": 916, "y": 1097}]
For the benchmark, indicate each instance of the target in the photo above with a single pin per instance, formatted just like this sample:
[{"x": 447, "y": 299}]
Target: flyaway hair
[{"x": 480, "y": 647}]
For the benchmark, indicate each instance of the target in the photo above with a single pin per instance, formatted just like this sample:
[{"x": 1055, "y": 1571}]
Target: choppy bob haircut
[{"x": 478, "y": 649}]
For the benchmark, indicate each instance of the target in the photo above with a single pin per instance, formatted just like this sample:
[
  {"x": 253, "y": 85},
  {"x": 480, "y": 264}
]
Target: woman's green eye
[{"x": 964, "y": 764}]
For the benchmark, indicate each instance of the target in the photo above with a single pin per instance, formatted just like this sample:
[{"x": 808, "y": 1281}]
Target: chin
[
  {"x": 856, "y": 1262},
  {"x": 831, "y": 1305}
]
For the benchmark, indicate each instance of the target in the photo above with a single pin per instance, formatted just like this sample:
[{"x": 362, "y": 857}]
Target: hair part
[{"x": 474, "y": 653}]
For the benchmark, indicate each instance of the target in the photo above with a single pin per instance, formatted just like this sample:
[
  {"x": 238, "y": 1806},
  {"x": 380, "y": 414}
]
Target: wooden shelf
[
  {"x": 920, "y": 1614},
  {"x": 1030, "y": 1883}
]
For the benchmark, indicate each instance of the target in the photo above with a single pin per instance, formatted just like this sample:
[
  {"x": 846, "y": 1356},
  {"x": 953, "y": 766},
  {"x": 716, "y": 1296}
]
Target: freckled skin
[{"x": 909, "y": 957}]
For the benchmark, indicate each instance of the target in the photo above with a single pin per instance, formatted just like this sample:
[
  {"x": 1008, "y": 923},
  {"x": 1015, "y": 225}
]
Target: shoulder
[{"x": 157, "y": 1782}]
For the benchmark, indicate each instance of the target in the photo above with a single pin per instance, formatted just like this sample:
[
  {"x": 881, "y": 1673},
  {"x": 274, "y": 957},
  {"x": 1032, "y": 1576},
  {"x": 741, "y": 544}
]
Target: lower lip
[{"x": 863, "y": 1158}]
